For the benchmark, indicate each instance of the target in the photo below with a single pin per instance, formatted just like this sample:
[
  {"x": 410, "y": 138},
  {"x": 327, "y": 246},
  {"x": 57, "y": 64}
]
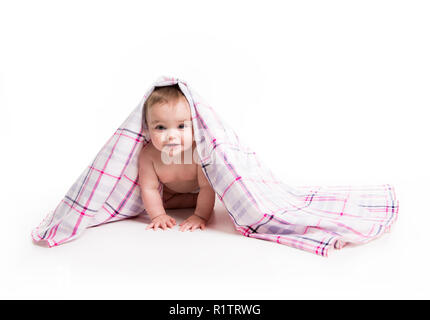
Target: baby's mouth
[{"x": 172, "y": 145}]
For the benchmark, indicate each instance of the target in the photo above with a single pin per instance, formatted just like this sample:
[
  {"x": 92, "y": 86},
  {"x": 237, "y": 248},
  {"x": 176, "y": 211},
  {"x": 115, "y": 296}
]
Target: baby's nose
[{"x": 172, "y": 134}]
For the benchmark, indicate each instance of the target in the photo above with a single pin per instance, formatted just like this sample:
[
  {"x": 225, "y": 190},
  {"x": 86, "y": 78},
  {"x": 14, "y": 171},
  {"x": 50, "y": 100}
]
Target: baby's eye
[
  {"x": 159, "y": 127},
  {"x": 181, "y": 126}
]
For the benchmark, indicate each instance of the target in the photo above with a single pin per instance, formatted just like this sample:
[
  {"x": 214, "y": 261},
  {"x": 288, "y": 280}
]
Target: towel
[{"x": 311, "y": 218}]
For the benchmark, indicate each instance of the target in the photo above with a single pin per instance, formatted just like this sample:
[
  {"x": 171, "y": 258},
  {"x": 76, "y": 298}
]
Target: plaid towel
[{"x": 311, "y": 218}]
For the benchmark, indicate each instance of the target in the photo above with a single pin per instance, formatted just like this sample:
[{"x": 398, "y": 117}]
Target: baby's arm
[
  {"x": 151, "y": 198},
  {"x": 204, "y": 207}
]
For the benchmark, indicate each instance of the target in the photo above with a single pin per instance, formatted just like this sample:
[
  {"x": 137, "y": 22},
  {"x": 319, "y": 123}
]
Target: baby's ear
[{"x": 145, "y": 130}]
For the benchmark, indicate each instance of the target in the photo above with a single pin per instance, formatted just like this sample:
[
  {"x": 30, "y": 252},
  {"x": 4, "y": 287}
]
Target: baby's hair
[{"x": 162, "y": 95}]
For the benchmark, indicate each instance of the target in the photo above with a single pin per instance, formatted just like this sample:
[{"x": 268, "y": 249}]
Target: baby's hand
[
  {"x": 163, "y": 221},
  {"x": 192, "y": 223}
]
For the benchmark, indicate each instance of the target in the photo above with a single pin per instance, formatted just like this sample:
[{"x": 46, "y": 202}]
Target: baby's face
[{"x": 170, "y": 127}]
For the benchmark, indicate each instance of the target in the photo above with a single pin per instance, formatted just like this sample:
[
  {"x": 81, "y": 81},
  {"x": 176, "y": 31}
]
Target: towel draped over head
[{"x": 311, "y": 218}]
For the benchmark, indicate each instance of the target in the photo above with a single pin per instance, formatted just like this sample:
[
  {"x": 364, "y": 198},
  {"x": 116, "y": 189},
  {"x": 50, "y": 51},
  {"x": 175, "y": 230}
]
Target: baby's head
[{"x": 167, "y": 116}]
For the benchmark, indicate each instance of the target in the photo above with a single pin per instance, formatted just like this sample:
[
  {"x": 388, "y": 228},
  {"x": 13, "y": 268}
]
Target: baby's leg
[{"x": 179, "y": 200}]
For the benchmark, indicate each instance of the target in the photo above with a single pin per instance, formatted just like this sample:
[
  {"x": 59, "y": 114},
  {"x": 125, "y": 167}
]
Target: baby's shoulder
[{"x": 147, "y": 152}]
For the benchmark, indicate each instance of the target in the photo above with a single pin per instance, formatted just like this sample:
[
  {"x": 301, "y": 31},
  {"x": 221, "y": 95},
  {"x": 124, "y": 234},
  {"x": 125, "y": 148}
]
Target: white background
[{"x": 326, "y": 92}]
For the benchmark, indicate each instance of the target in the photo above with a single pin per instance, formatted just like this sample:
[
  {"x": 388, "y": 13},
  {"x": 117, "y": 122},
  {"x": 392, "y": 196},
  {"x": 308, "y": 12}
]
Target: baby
[{"x": 168, "y": 159}]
